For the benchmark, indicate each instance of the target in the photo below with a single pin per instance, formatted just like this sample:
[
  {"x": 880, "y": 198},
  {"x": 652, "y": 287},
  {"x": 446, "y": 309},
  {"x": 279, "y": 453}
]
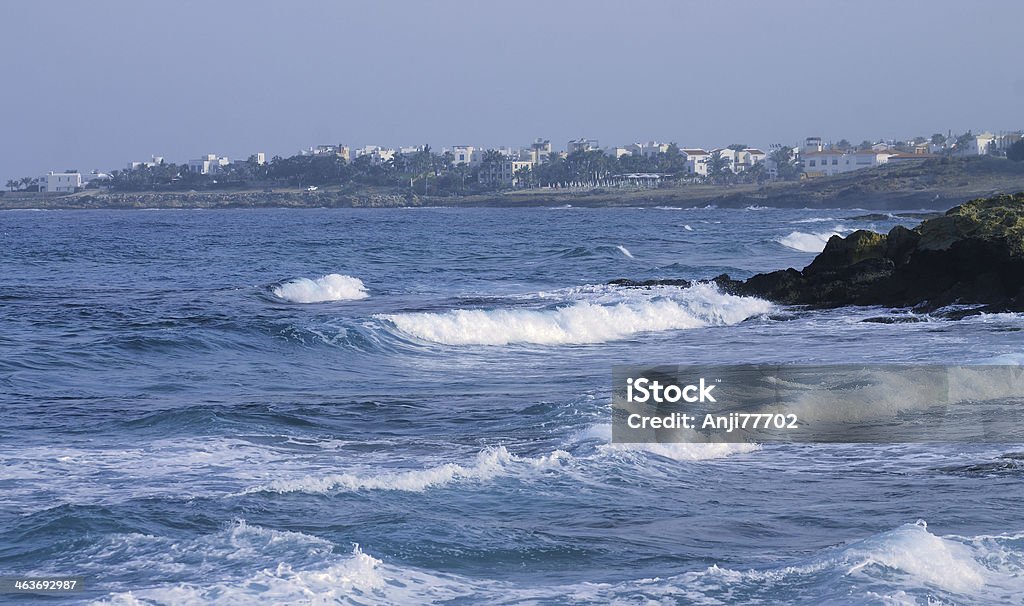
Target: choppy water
[{"x": 406, "y": 406}]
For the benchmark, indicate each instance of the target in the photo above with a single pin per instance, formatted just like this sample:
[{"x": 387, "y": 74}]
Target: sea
[{"x": 413, "y": 406}]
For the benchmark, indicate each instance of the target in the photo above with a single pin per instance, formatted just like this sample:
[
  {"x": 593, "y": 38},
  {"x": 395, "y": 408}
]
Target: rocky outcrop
[{"x": 972, "y": 255}]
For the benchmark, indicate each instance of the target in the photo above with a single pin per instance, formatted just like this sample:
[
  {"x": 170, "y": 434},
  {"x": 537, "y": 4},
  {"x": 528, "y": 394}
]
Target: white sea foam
[
  {"x": 293, "y": 569},
  {"x": 587, "y": 319},
  {"x": 332, "y": 287},
  {"x": 925, "y": 557},
  {"x": 806, "y": 242},
  {"x": 168, "y": 468},
  {"x": 199, "y": 556},
  {"x": 625, "y": 251},
  {"x": 815, "y": 220},
  {"x": 358, "y": 578},
  {"x": 900, "y": 566},
  {"x": 489, "y": 464},
  {"x": 687, "y": 228}
]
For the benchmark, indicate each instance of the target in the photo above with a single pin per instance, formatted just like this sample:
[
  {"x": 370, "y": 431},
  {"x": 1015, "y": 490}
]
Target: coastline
[{"x": 932, "y": 184}]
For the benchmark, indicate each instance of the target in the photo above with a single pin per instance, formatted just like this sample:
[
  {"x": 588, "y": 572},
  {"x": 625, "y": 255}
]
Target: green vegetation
[
  {"x": 23, "y": 184},
  {"x": 999, "y": 218},
  {"x": 422, "y": 173}
]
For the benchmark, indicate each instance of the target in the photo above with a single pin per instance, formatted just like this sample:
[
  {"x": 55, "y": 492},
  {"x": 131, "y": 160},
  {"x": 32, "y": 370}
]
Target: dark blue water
[{"x": 410, "y": 406}]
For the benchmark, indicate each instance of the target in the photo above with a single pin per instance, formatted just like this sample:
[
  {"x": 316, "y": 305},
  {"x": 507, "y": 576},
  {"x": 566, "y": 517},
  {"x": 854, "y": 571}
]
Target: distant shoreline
[{"x": 929, "y": 185}]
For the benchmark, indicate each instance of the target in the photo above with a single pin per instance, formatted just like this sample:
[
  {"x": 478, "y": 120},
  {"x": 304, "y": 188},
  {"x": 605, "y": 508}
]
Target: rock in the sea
[{"x": 972, "y": 255}]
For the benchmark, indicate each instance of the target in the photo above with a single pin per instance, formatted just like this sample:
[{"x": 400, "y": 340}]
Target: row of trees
[
  {"x": 23, "y": 184},
  {"x": 428, "y": 172},
  {"x": 949, "y": 143}
]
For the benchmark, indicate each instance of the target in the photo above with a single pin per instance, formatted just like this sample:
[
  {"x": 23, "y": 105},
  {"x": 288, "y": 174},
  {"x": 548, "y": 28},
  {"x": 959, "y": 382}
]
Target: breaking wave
[
  {"x": 489, "y": 464},
  {"x": 807, "y": 242},
  {"x": 497, "y": 463},
  {"x": 589, "y": 319},
  {"x": 815, "y": 220},
  {"x": 332, "y": 287}
]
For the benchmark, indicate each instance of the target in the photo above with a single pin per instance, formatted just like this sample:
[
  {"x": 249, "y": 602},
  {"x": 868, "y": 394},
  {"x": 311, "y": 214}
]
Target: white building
[
  {"x": 378, "y": 155},
  {"x": 696, "y": 161},
  {"x": 834, "y": 162},
  {"x": 812, "y": 144},
  {"x": 208, "y": 164},
  {"x": 651, "y": 149},
  {"x": 825, "y": 162},
  {"x": 154, "y": 161},
  {"x": 977, "y": 146},
  {"x": 747, "y": 158},
  {"x": 504, "y": 172},
  {"x": 465, "y": 154},
  {"x": 582, "y": 145},
  {"x": 342, "y": 151},
  {"x": 65, "y": 183},
  {"x": 410, "y": 150},
  {"x": 540, "y": 150}
]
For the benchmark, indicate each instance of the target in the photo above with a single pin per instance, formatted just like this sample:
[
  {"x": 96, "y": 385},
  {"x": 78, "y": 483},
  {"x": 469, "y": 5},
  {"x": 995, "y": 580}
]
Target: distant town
[{"x": 466, "y": 169}]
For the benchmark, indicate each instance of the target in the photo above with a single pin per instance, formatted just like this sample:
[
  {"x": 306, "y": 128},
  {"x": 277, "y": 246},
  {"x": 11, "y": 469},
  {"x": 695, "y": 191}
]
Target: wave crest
[
  {"x": 807, "y": 242},
  {"x": 489, "y": 464},
  {"x": 332, "y": 287},
  {"x": 593, "y": 320}
]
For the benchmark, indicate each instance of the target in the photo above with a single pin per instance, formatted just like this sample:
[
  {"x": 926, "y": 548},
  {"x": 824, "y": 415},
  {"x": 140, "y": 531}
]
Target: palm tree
[
  {"x": 11, "y": 184},
  {"x": 492, "y": 156},
  {"x": 717, "y": 165},
  {"x": 524, "y": 177}
]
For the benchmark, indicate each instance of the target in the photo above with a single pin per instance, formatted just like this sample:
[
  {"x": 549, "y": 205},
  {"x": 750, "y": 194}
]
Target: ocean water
[{"x": 410, "y": 406}]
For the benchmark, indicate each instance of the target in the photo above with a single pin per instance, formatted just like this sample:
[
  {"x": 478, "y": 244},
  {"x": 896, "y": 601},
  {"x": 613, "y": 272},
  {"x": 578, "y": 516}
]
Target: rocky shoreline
[{"x": 972, "y": 256}]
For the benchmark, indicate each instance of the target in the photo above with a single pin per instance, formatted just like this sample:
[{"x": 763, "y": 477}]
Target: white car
[{"x": 312, "y": 188}]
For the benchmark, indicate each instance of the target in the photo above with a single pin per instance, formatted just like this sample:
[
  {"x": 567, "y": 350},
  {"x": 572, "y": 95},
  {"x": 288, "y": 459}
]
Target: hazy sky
[{"x": 96, "y": 84}]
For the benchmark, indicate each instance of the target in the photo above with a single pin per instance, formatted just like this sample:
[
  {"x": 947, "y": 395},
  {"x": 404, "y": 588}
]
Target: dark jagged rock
[
  {"x": 648, "y": 283},
  {"x": 972, "y": 256},
  {"x": 901, "y": 319}
]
